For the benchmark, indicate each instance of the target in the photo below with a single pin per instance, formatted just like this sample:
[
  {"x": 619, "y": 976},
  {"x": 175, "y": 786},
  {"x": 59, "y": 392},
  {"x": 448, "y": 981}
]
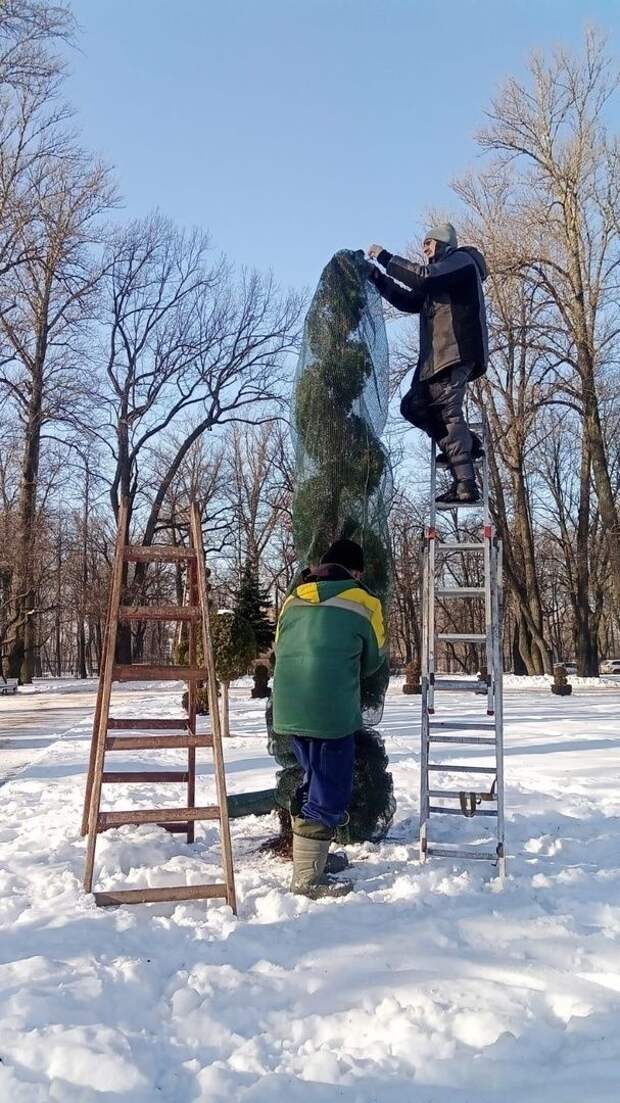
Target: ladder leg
[
  {"x": 424, "y": 798},
  {"x": 111, "y": 630},
  {"x": 218, "y": 753},
  {"x": 97, "y": 717},
  {"x": 192, "y": 694},
  {"x": 499, "y": 706}
]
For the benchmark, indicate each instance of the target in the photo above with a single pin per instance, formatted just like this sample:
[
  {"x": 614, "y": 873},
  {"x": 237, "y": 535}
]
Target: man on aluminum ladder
[{"x": 447, "y": 294}]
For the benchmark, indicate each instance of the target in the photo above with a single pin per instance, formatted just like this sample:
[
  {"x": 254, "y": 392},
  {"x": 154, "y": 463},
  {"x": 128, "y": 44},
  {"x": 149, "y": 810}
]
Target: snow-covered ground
[{"x": 430, "y": 984}]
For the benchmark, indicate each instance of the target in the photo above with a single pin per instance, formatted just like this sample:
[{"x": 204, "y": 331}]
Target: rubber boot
[
  {"x": 309, "y": 877},
  {"x": 462, "y": 492}
]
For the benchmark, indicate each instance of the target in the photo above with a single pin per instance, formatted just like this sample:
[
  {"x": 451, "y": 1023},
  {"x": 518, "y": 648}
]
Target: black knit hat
[{"x": 346, "y": 553}]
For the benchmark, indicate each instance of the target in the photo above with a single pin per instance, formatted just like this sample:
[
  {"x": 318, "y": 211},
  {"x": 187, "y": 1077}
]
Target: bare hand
[{"x": 374, "y": 250}]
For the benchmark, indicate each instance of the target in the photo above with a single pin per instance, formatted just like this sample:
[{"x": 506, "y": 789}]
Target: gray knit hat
[{"x": 443, "y": 231}]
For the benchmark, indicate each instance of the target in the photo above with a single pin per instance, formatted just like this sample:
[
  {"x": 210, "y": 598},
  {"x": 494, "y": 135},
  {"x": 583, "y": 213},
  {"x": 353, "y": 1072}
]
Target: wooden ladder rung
[
  {"x": 110, "y": 777},
  {"x": 137, "y": 723},
  {"x": 159, "y": 612},
  {"x": 147, "y": 672},
  {"x": 157, "y": 553},
  {"x": 153, "y": 896},
  {"x": 173, "y": 828},
  {"x": 156, "y": 742},
  {"x": 156, "y": 815}
]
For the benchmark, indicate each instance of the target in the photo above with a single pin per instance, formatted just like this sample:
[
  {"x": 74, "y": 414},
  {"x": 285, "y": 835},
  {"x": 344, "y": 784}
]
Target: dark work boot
[
  {"x": 309, "y": 876},
  {"x": 336, "y": 862},
  {"x": 477, "y": 452},
  {"x": 462, "y": 492}
]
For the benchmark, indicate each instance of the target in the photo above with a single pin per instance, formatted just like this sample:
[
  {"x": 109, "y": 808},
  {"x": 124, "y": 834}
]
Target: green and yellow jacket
[{"x": 330, "y": 635}]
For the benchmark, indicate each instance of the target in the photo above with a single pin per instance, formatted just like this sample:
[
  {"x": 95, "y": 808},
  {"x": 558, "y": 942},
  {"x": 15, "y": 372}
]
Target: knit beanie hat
[
  {"x": 443, "y": 231},
  {"x": 346, "y": 553}
]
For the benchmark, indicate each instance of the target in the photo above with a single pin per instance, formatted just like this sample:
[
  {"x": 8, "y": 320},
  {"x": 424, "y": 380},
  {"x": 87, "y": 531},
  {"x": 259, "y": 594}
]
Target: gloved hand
[{"x": 374, "y": 250}]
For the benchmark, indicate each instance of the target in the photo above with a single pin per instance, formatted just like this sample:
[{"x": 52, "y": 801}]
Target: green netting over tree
[
  {"x": 343, "y": 482},
  {"x": 339, "y": 409}
]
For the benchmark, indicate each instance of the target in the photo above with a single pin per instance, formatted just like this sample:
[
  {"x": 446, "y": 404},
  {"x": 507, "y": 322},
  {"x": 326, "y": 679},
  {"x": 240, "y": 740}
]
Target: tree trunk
[
  {"x": 21, "y": 651},
  {"x": 523, "y": 527},
  {"x": 602, "y": 482},
  {"x": 121, "y": 488},
  {"x": 585, "y": 643},
  {"x": 518, "y": 661}
]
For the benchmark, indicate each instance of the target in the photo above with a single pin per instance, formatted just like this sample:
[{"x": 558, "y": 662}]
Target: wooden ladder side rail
[
  {"x": 96, "y": 719},
  {"x": 105, "y": 691},
  {"x": 191, "y": 593},
  {"x": 216, "y": 729}
]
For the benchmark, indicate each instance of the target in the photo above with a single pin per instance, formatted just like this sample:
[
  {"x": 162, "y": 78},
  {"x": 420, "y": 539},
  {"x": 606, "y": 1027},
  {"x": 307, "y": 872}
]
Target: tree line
[{"x": 136, "y": 362}]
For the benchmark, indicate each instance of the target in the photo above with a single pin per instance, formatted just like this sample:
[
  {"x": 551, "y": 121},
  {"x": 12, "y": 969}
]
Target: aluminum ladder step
[
  {"x": 436, "y": 811},
  {"x": 463, "y": 740},
  {"x": 458, "y": 686},
  {"x": 459, "y": 546},
  {"x": 455, "y": 794},
  {"x": 457, "y": 768},
  {"x": 462, "y": 637},
  {"x": 444, "y": 507},
  {"x": 461, "y": 725},
  {"x": 459, "y": 591},
  {"x": 470, "y": 853}
]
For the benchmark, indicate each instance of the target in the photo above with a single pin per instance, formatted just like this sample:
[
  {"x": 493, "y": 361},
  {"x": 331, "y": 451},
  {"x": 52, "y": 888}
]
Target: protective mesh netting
[
  {"x": 339, "y": 409},
  {"x": 343, "y": 484}
]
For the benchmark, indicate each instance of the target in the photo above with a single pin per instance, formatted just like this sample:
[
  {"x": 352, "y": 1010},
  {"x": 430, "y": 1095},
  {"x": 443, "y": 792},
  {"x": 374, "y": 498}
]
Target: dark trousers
[
  {"x": 326, "y": 790},
  {"x": 436, "y": 406}
]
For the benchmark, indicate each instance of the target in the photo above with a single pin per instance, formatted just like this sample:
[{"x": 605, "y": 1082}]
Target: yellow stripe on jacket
[
  {"x": 362, "y": 597},
  {"x": 371, "y": 606}
]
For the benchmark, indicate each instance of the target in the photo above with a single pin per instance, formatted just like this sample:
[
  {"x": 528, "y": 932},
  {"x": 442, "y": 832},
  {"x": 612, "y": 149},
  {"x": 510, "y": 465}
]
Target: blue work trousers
[{"x": 328, "y": 778}]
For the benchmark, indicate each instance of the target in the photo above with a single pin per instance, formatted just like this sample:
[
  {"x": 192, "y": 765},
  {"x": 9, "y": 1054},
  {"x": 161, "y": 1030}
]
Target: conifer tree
[
  {"x": 234, "y": 647},
  {"x": 339, "y": 409},
  {"x": 252, "y": 605}
]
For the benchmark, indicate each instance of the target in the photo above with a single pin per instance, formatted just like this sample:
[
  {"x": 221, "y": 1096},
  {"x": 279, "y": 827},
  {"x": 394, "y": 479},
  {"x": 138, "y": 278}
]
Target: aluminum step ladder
[{"x": 447, "y": 554}]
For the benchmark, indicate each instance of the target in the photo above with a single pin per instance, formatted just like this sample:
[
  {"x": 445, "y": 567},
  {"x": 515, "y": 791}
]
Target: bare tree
[
  {"x": 257, "y": 491},
  {"x": 184, "y": 341},
  {"x": 576, "y": 530},
  {"x": 562, "y": 175},
  {"x": 48, "y": 304},
  {"x": 32, "y": 117}
]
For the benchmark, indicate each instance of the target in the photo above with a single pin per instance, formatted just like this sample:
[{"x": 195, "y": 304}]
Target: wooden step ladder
[{"x": 176, "y": 733}]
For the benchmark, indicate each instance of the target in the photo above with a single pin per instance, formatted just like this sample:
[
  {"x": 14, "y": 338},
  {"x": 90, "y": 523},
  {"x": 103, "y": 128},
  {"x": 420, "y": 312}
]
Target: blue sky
[{"x": 292, "y": 128}]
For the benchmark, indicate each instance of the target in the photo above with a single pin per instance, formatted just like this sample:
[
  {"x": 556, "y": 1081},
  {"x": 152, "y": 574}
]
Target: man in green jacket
[{"x": 330, "y": 635}]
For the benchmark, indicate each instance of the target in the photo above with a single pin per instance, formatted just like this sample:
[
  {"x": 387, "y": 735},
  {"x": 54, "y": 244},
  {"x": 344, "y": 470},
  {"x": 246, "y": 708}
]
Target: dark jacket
[
  {"x": 330, "y": 635},
  {"x": 449, "y": 298}
]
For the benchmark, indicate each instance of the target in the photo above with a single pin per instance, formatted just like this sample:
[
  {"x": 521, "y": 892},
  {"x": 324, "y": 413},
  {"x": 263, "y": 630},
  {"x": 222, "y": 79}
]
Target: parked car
[
  {"x": 570, "y": 667},
  {"x": 610, "y": 666}
]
